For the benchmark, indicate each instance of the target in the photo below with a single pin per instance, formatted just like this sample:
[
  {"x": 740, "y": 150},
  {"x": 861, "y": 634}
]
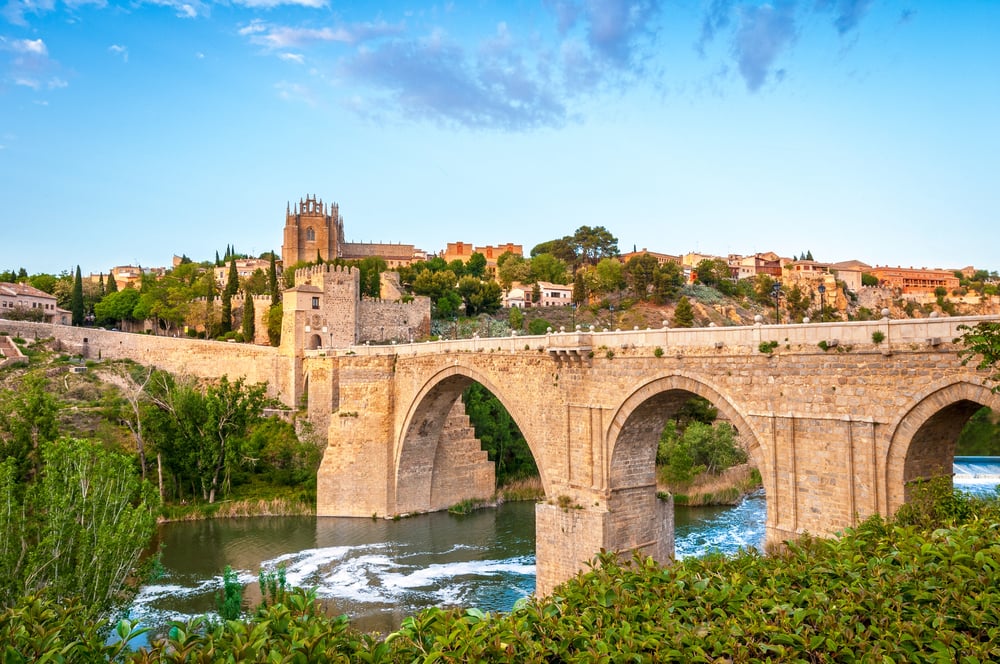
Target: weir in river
[{"x": 380, "y": 571}]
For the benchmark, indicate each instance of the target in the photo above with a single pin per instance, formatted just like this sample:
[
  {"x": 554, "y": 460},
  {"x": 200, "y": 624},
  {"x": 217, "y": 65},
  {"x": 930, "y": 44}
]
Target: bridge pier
[{"x": 569, "y": 536}]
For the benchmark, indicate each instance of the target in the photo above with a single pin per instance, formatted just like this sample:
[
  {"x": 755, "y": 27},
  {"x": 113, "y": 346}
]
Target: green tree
[
  {"x": 667, "y": 282},
  {"x": 499, "y": 435},
  {"x": 226, "y": 313},
  {"x": 201, "y": 431},
  {"x": 248, "y": 318},
  {"x": 117, "y": 307},
  {"x": 981, "y": 343},
  {"x": 592, "y": 244},
  {"x": 44, "y": 282},
  {"x": 563, "y": 249},
  {"x": 609, "y": 276},
  {"x": 28, "y": 419},
  {"x": 479, "y": 297},
  {"x": 640, "y": 272},
  {"x": 76, "y": 304},
  {"x": 272, "y": 281},
  {"x": 683, "y": 313},
  {"x": 476, "y": 265},
  {"x": 112, "y": 285},
  {"x": 538, "y": 326},
  {"x": 698, "y": 448},
  {"x": 516, "y": 318},
  {"x": 511, "y": 268},
  {"x": 547, "y": 267},
  {"x": 579, "y": 289},
  {"x": 79, "y": 530},
  {"x": 868, "y": 279},
  {"x": 274, "y": 315}
]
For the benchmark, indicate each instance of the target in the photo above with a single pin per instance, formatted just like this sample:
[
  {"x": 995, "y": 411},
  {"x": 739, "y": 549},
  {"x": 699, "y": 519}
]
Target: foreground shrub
[{"x": 885, "y": 591}]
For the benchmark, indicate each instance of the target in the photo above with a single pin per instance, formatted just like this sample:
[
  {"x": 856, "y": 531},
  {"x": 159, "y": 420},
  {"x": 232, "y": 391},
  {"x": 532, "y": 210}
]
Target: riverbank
[
  {"x": 525, "y": 489},
  {"x": 727, "y": 488},
  {"x": 224, "y": 509}
]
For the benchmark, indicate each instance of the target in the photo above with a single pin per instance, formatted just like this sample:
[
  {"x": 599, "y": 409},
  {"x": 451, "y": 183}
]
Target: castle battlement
[{"x": 316, "y": 273}]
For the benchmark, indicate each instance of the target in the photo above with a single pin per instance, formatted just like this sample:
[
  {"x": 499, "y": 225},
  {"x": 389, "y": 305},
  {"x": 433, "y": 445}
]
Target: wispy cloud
[
  {"x": 761, "y": 36},
  {"x": 120, "y": 51},
  {"x": 504, "y": 80},
  {"x": 183, "y": 8},
  {"x": 29, "y": 64},
  {"x": 846, "y": 13},
  {"x": 276, "y": 37},
  {"x": 297, "y": 58},
  {"x": 435, "y": 79},
  {"x": 759, "y": 33},
  {"x": 270, "y": 4}
]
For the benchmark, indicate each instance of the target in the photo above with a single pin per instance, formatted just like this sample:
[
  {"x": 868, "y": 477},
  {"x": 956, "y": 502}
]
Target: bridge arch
[
  {"x": 632, "y": 439},
  {"x": 923, "y": 439},
  {"x": 643, "y": 415},
  {"x": 415, "y": 455}
]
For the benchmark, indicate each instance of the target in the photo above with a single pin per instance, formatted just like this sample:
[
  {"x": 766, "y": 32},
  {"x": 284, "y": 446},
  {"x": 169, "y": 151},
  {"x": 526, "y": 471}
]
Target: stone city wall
[{"x": 194, "y": 357}]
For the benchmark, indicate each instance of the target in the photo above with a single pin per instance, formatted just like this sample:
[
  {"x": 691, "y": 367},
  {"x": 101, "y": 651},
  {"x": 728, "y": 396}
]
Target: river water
[{"x": 380, "y": 571}]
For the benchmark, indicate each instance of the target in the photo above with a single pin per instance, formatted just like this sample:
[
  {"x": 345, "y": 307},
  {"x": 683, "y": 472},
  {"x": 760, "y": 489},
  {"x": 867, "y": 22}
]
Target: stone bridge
[{"x": 837, "y": 423}]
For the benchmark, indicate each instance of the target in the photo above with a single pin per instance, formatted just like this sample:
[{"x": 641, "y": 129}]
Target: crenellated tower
[{"x": 312, "y": 229}]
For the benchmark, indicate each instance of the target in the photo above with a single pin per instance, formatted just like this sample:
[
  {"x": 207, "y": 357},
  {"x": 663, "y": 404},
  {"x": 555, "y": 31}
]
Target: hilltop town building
[
  {"x": 661, "y": 259},
  {"x": 314, "y": 230},
  {"x": 913, "y": 280},
  {"x": 25, "y": 302},
  {"x": 463, "y": 251}
]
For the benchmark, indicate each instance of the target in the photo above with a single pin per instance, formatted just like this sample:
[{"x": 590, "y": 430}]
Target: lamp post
[
  {"x": 612, "y": 308},
  {"x": 822, "y": 302},
  {"x": 776, "y": 292},
  {"x": 573, "y": 306}
]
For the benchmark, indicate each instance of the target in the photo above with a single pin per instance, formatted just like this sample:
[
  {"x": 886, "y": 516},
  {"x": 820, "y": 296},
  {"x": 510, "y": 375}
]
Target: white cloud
[
  {"x": 119, "y": 50},
  {"x": 276, "y": 37},
  {"x": 292, "y": 57},
  {"x": 28, "y": 46},
  {"x": 56, "y": 83},
  {"x": 269, "y": 4},
  {"x": 295, "y": 92}
]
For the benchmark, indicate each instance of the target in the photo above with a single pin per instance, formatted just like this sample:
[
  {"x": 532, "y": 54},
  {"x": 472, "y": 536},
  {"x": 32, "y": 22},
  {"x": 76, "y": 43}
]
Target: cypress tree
[
  {"x": 272, "y": 281},
  {"x": 100, "y": 285},
  {"x": 233, "y": 281},
  {"x": 218, "y": 263},
  {"x": 76, "y": 300},
  {"x": 112, "y": 285},
  {"x": 226, "y": 322},
  {"x": 248, "y": 317},
  {"x": 210, "y": 306}
]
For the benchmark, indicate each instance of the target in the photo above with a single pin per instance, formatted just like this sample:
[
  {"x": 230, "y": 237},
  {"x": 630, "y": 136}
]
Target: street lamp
[
  {"x": 822, "y": 302},
  {"x": 573, "y": 306},
  {"x": 612, "y": 308},
  {"x": 776, "y": 292}
]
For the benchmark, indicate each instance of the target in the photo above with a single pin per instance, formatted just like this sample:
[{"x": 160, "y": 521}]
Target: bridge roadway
[{"x": 836, "y": 423}]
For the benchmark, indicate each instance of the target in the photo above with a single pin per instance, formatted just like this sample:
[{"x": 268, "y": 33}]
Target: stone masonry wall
[{"x": 194, "y": 357}]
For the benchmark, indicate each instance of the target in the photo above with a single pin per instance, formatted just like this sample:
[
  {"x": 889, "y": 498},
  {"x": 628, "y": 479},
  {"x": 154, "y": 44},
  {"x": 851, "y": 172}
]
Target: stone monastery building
[{"x": 314, "y": 230}]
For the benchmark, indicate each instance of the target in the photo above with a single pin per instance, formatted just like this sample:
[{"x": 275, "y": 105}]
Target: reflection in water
[{"x": 380, "y": 571}]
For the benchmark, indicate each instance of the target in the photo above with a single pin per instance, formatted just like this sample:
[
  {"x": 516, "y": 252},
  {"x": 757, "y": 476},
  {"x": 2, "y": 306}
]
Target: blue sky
[{"x": 134, "y": 130}]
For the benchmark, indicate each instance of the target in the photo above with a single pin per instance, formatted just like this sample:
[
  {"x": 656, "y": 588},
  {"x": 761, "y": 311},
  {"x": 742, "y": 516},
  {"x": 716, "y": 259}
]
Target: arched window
[{"x": 310, "y": 235}]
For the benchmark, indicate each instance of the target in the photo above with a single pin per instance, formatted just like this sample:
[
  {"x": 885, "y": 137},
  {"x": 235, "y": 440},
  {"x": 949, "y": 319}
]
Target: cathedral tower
[{"x": 311, "y": 230}]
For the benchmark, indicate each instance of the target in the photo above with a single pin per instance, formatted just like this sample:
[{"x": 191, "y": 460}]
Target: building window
[
  {"x": 315, "y": 303},
  {"x": 310, "y": 235}
]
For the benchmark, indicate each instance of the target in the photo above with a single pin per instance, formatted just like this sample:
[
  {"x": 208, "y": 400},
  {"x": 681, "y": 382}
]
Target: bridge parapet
[{"x": 919, "y": 332}]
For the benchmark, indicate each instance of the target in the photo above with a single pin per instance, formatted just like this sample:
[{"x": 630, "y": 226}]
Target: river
[{"x": 379, "y": 571}]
